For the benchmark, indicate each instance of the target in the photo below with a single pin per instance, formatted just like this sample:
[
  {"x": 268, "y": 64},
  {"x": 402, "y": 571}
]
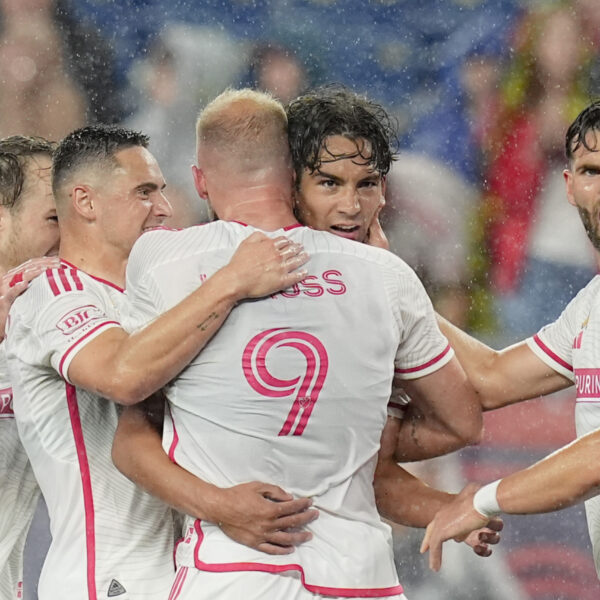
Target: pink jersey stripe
[
  {"x": 52, "y": 282},
  {"x": 64, "y": 280},
  {"x": 294, "y": 226},
  {"x": 178, "y": 583},
  {"x": 75, "y": 276},
  {"x": 86, "y": 484},
  {"x": 270, "y": 568},
  {"x": 175, "y": 439},
  {"x": 552, "y": 355},
  {"x": 427, "y": 364},
  {"x": 71, "y": 348},
  {"x": 104, "y": 281}
]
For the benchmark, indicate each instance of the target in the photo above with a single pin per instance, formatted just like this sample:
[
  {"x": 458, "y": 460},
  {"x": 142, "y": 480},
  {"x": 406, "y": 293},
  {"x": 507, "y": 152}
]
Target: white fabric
[
  {"x": 325, "y": 349},
  {"x": 19, "y": 493},
  {"x": 191, "y": 584},
  {"x": 571, "y": 346},
  {"x": 485, "y": 501},
  {"x": 107, "y": 535}
]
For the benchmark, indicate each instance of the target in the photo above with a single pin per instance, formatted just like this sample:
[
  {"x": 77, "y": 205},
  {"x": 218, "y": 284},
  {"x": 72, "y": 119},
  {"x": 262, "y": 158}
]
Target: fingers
[
  {"x": 298, "y": 520},
  {"x": 434, "y": 546},
  {"x": 489, "y": 537},
  {"x": 495, "y": 524},
  {"x": 482, "y": 550},
  {"x": 274, "y": 549},
  {"x": 274, "y": 492}
]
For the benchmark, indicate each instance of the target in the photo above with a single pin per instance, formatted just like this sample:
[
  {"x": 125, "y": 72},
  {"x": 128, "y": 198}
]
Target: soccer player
[
  {"x": 325, "y": 199},
  {"x": 292, "y": 389},
  {"x": 561, "y": 354},
  {"x": 68, "y": 357},
  {"x": 28, "y": 229}
]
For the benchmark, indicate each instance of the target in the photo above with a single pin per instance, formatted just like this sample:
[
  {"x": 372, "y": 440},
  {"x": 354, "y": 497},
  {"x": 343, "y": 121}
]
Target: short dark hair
[
  {"x": 336, "y": 110},
  {"x": 587, "y": 121},
  {"x": 94, "y": 145},
  {"x": 15, "y": 153}
]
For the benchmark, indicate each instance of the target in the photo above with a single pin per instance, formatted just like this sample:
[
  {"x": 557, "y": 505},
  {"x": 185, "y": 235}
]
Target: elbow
[
  {"x": 127, "y": 389},
  {"x": 470, "y": 432}
]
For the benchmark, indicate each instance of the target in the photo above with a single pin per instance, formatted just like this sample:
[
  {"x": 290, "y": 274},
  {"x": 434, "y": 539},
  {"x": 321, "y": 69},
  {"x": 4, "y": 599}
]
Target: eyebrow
[{"x": 150, "y": 185}]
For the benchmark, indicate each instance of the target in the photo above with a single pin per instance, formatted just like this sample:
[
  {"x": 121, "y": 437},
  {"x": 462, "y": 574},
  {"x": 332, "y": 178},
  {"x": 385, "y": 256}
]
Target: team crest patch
[
  {"x": 79, "y": 317},
  {"x": 115, "y": 589}
]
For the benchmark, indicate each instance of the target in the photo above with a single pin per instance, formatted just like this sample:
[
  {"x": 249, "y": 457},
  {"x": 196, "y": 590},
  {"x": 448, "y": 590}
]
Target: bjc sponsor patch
[{"x": 78, "y": 317}]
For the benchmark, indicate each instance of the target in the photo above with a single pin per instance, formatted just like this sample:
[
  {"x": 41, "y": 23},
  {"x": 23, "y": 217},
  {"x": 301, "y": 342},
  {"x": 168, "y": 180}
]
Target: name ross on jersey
[
  {"x": 78, "y": 317},
  {"x": 313, "y": 286},
  {"x": 6, "y": 404}
]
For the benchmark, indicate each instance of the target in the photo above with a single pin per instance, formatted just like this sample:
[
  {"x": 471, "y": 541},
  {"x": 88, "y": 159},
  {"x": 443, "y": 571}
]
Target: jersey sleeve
[
  {"x": 553, "y": 344},
  {"x": 423, "y": 349},
  {"x": 143, "y": 297},
  {"x": 58, "y": 317}
]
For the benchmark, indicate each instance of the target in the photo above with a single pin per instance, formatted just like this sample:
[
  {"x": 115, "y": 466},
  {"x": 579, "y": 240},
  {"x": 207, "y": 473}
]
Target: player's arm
[
  {"x": 502, "y": 377},
  {"x": 255, "y": 514},
  {"x": 14, "y": 282},
  {"x": 405, "y": 499},
  {"x": 443, "y": 415},
  {"x": 130, "y": 367},
  {"x": 565, "y": 477}
]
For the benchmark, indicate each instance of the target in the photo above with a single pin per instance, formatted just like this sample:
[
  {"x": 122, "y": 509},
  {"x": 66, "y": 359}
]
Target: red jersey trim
[
  {"x": 86, "y": 484},
  {"x": 427, "y": 364},
  {"x": 104, "y": 281},
  {"x": 268, "y": 568},
  {"x": 71, "y": 348},
  {"x": 552, "y": 355},
  {"x": 294, "y": 226},
  {"x": 178, "y": 583},
  {"x": 175, "y": 439}
]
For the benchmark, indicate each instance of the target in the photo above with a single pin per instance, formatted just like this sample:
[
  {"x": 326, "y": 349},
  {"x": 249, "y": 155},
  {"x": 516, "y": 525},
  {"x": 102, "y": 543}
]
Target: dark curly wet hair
[
  {"x": 587, "y": 121},
  {"x": 336, "y": 110}
]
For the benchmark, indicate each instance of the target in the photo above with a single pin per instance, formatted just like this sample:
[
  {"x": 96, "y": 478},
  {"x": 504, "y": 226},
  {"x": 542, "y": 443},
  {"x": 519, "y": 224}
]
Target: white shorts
[{"x": 193, "y": 584}]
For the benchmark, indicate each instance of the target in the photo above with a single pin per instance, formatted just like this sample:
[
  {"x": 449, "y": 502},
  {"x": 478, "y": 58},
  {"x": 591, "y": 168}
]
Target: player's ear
[
  {"x": 200, "y": 182},
  {"x": 568, "y": 175},
  {"x": 82, "y": 197}
]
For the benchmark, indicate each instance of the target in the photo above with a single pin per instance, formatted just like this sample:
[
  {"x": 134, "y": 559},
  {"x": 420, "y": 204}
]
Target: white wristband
[{"x": 484, "y": 500}]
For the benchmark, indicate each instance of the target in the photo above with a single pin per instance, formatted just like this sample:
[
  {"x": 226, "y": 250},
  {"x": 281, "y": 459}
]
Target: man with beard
[{"x": 561, "y": 354}]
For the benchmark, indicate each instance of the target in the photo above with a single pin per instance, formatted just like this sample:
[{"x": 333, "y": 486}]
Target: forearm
[
  {"x": 138, "y": 453},
  {"x": 403, "y": 498},
  {"x": 566, "y": 477},
  {"x": 147, "y": 359},
  {"x": 501, "y": 377}
]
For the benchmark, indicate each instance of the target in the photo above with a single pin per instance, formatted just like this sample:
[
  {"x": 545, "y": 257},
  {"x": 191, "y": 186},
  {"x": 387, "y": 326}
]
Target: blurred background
[{"x": 483, "y": 91}]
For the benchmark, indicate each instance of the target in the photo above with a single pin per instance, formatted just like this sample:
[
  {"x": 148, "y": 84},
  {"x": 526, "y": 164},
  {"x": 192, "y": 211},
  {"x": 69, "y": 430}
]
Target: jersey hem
[{"x": 273, "y": 568}]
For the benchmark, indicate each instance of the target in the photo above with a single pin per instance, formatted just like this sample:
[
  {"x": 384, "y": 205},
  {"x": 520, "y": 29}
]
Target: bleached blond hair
[{"x": 246, "y": 125}]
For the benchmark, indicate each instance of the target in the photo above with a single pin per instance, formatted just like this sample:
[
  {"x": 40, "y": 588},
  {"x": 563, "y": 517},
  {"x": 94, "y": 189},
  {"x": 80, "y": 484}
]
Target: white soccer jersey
[
  {"x": 571, "y": 346},
  {"x": 293, "y": 391},
  {"x": 19, "y": 493},
  {"x": 109, "y": 538}
]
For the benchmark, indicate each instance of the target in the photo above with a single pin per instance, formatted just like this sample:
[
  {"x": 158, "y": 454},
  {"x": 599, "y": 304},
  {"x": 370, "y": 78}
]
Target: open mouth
[{"x": 345, "y": 228}]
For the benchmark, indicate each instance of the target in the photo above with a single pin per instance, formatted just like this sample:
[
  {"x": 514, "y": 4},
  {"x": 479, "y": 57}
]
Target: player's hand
[
  {"x": 375, "y": 234},
  {"x": 455, "y": 521},
  {"x": 264, "y": 517},
  {"x": 17, "y": 280},
  {"x": 262, "y": 265},
  {"x": 481, "y": 539}
]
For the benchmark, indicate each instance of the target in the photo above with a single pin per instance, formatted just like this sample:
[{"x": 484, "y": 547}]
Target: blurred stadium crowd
[{"x": 483, "y": 91}]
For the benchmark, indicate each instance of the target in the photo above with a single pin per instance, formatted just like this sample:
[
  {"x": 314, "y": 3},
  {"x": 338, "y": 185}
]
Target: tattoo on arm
[{"x": 212, "y": 317}]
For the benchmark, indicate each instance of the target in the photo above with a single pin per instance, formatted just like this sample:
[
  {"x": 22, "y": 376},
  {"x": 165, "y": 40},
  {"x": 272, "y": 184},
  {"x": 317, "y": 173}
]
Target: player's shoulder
[
  {"x": 164, "y": 242},
  {"x": 328, "y": 242}
]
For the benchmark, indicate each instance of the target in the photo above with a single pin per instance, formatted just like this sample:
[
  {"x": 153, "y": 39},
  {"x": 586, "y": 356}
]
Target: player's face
[
  {"x": 134, "y": 200},
  {"x": 583, "y": 187},
  {"x": 30, "y": 230},
  {"x": 344, "y": 194}
]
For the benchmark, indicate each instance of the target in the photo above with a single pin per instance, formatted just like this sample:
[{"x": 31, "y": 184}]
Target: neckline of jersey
[
  {"x": 104, "y": 281},
  {"x": 287, "y": 228}
]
